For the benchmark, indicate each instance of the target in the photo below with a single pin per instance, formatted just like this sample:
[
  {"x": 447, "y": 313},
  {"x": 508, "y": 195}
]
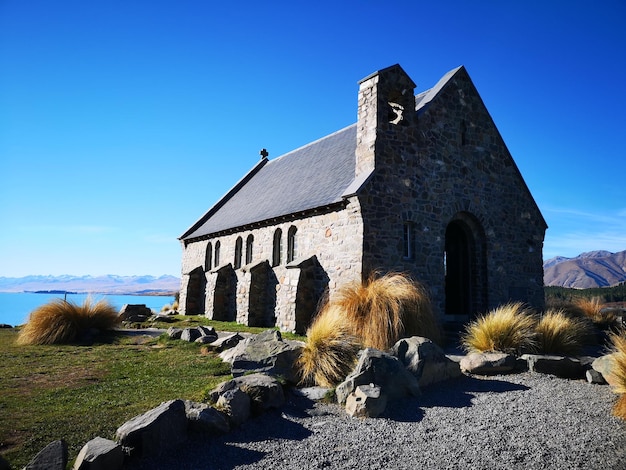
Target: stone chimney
[{"x": 386, "y": 106}]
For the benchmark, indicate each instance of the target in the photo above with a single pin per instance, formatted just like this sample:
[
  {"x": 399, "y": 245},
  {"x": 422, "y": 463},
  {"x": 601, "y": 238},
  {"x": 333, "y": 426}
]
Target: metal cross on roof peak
[{"x": 264, "y": 153}]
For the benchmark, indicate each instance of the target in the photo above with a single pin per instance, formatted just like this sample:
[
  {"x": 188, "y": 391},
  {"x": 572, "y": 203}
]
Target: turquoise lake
[{"x": 15, "y": 307}]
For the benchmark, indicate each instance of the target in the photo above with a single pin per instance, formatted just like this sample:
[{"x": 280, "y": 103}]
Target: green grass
[{"x": 79, "y": 392}]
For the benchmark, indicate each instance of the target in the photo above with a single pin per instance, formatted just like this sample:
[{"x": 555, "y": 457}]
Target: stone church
[{"x": 421, "y": 184}]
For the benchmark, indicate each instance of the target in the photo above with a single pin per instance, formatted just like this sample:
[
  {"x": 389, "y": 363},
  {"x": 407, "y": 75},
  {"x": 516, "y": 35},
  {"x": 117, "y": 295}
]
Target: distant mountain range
[
  {"x": 109, "y": 284},
  {"x": 587, "y": 270}
]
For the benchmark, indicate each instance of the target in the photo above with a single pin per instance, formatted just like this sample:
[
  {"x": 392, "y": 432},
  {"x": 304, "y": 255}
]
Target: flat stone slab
[
  {"x": 560, "y": 366},
  {"x": 488, "y": 363}
]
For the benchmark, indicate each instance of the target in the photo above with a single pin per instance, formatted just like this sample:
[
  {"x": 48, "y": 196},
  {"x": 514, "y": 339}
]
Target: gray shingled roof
[{"x": 312, "y": 176}]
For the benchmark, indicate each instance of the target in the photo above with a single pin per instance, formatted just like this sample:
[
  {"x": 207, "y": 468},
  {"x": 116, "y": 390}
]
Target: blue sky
[{"x": 122, "y": 122}]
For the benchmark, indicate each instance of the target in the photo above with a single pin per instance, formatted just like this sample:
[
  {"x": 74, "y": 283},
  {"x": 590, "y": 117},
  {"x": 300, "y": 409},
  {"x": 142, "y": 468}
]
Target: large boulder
[
  {"x": 488, "y": 363},
  {"x": 227, "y": 342},
  {"x": 233, "y": 401},
  {"x": 51, "y": 457},
  {"x": 190, "y": 334},
  {"x": 136, "y": 313},
  {"x": 425, "y": 360},
  {"x": 265, "y": 353},
  {"x": 155, "y": 432},
  {"x": 366, "y": 401},
  {"x": 204, "y": 418},
  {"x": 604, "y": 365},
  {"x": 264, "y": 391},
  {"x": 382, "y": 369},
  {"x": 560, "y": 366},
  {"x": 100, "y": 454}
]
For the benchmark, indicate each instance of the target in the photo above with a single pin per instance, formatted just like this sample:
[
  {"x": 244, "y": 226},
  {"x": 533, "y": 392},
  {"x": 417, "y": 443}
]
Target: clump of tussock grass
[
  {"x": 618, "y": 372},
  {"x": 383, "y": 309},
  {"x": 593, "y": 309},
  {"x": 60, "y": 321},
  {"x": 559, "y": 333},
  {"x": 510, "y": 328},
  {"x": 375, "y": 313},
  {"x": 330, "y": 351}
]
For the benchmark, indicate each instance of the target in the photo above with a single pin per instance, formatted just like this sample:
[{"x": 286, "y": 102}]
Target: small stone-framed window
[
  {"x": 238, "y": 250},
  {"x": 249, "y": 243},
  {"x": 407, "y": 240},
  {"x": 291, "y": 243},
  {"x": 216, "y": 258},
  {"x": 208, "y": 257},
  {"x": 277, "y": 247}
]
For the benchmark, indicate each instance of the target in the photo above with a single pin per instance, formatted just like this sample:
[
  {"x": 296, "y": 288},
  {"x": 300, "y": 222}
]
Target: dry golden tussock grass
[
  {"x": 618, "y": 371},
  {"x": 619, "y": 409},
  {"x": 330, "y": 351},
  {"x": 375, "y": 313},
  {"x": 592, "y": 309},
  {"x": 60, "y": 321},
  {"x": 381, "y": 310},
  {"x": 559, "y": 333},
  {"x": 509, "y": 328}
]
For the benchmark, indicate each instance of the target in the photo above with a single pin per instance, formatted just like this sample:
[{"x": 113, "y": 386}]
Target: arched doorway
[
  {"x": 196, "y": 291},
  {"x": 465, "y": 266}
]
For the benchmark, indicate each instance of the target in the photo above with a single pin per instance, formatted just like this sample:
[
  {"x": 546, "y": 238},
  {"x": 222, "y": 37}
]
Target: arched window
[
  {"x": 291, "y": 243},
  {"x": 216, "y": 258},
  {"x": 238, "y": 250},
  {"x": 249, "y": 243},
  {"x": 208, "y": 257},
  {"x": 277, "y": 247}
]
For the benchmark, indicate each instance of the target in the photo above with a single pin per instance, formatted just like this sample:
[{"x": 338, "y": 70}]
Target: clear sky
[{"x": 123, "y": 121}]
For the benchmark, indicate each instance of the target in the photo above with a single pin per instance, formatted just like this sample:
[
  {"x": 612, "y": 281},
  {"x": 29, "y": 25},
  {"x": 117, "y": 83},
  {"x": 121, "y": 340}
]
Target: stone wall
[
  {"x": 333, "y": 237},
  {"x": 451, "y": 164}
]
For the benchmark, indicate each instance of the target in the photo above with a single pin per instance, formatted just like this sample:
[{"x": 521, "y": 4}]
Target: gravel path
[{"x": 521, "y": 421}]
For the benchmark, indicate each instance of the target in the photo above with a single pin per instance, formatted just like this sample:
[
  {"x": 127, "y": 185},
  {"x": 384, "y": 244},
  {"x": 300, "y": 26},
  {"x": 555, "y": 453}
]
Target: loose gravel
[{"x": 521, "y": 421}]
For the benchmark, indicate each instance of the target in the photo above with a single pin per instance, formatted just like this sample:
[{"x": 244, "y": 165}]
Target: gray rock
[
  {"x": 51, "y": 457},
  {"x": 100, "y": 454},
  {"x": 174, "y": 333},
  {"x": 206, "y": 339},
  {"x": 382, "y": 369},
  {"x": 205, "y": 418},
  {"x": 264, "y": 391},
  {"x": 366, "y": 401},
  {"x": 207, "y": 331},
  {"x": 604, "y": 365},
  {"x": 560, "y": 366},
  {"x": 267, "y": 353},
  {"x": 227, "y": 342},
  {"x": 425, "y": 360},
  {"x": 594, "y": 377},
  {"x": 162, "y": 317},
  {"x": 235, "y": 403},
  {"x": 488, "y": 363},
  {"x": 190, "y": 334},
  {"x": 135, "y": 313},
  {"x": 158, "y": 431}
]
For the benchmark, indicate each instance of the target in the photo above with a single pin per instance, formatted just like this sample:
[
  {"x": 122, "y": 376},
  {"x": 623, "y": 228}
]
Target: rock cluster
[{"x": 264, "y": 365}]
